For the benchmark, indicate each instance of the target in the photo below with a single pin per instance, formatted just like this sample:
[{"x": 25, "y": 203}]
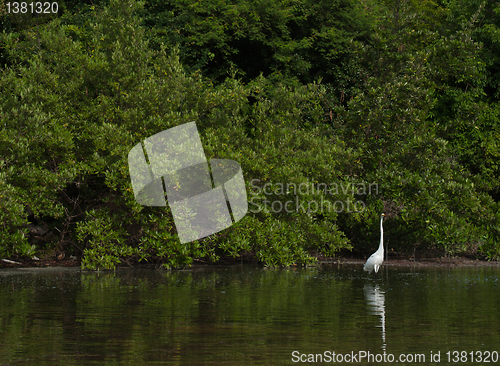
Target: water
[{"x": 249, "y": 315}]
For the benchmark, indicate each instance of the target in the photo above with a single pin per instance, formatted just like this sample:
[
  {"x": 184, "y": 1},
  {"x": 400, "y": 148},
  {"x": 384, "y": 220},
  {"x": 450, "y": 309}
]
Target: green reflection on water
[{"x": 242, "y": 315}]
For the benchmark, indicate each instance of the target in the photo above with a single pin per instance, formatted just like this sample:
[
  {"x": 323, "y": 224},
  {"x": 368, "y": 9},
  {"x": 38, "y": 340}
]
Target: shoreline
[
  {"x": 423, "y": 262},
  {"x": 396, "y": 262}
]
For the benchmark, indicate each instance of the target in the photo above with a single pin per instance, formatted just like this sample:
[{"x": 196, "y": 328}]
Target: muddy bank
[
  {"x": 424, "y": 262},
  {"x": 391, "y": 262}
]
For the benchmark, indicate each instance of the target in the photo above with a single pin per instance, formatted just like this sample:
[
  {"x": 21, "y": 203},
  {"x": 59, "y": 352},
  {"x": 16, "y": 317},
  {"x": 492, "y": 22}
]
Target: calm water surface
[{"x": 249, "y": 315}]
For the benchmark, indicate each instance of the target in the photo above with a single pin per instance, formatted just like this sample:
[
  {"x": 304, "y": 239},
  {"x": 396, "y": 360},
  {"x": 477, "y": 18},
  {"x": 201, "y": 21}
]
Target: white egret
[{"x": 377, "y": 258}]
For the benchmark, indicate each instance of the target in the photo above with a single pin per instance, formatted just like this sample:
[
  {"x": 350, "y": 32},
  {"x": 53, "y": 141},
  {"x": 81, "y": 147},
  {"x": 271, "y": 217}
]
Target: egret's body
[{"x": 377, "y": 258}]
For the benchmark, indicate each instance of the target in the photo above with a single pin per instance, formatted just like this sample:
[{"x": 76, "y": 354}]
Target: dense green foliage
[{"x": 365, "y": 106}]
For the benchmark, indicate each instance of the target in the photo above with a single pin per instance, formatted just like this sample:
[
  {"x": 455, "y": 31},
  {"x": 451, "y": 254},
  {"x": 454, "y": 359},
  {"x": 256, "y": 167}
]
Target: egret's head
[{"x": 383, "y": 215}]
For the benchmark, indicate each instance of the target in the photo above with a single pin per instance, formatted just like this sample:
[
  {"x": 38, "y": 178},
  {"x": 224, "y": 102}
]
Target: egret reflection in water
[{"x": 375, "y": 299}]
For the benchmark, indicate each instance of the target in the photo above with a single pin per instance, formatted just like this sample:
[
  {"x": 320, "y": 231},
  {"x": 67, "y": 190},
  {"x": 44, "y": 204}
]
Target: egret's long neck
[{"x": 381, "y": 246}]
